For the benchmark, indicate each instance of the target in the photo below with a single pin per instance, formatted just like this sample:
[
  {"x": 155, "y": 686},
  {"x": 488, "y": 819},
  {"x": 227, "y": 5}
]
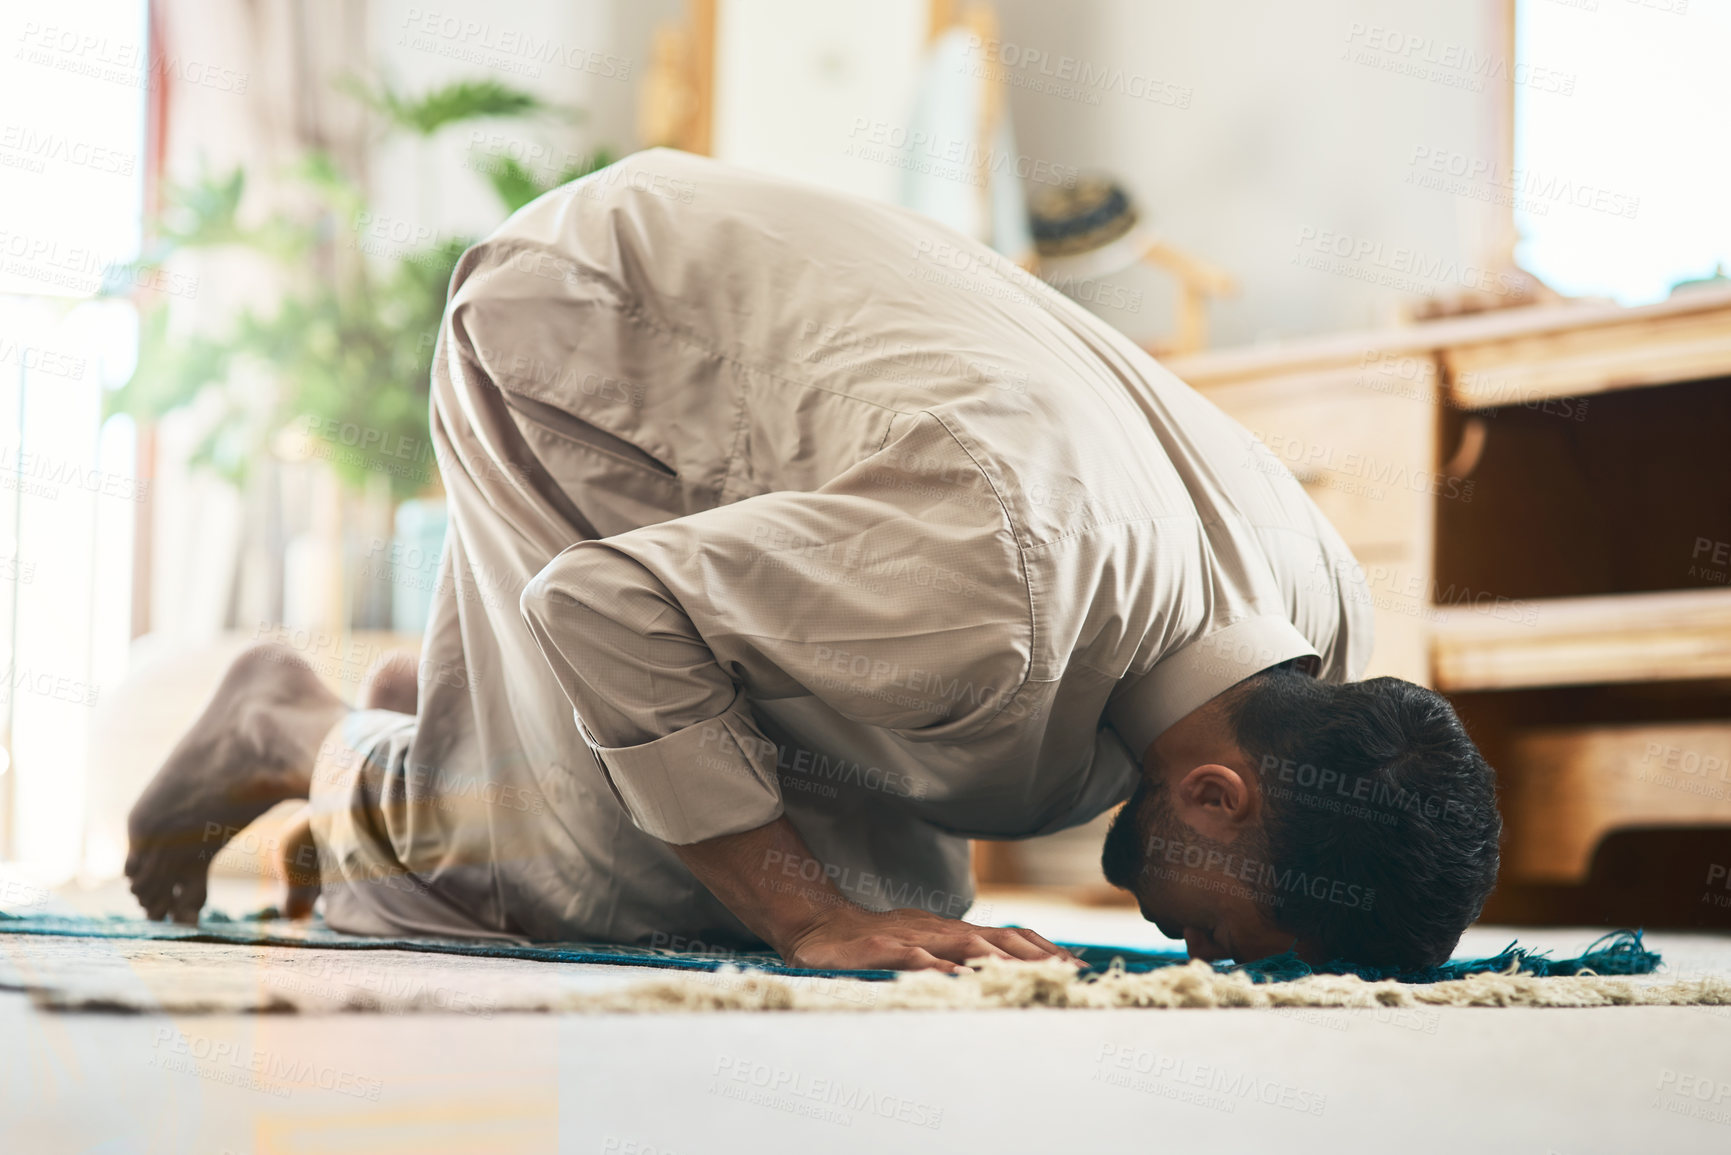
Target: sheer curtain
[
  {"x": 72, "y": 157},
  {"x": 106, "y": 534}
]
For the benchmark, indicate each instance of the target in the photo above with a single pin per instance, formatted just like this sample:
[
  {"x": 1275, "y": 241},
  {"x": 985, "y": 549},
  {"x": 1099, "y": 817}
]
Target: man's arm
[{"x": 758, "y": 875}]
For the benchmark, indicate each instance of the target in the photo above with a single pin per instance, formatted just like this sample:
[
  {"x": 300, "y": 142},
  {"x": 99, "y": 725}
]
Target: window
[
  {"x": 1622, "y": 111},
  {"x": 72, "y": 154}
]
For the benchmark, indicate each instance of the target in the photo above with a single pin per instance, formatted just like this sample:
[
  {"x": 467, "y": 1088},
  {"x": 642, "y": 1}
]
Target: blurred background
[{"x": 1461, "y": 266}]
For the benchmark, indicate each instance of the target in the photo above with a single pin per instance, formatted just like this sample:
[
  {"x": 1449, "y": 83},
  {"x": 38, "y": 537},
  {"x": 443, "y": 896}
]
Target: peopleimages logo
[
  {"x": 502, "y": 47},
  {"x": 898, "y": 567},
  {"x": 1120, "y": 1066},
  {"x": 130, "y": 63},
  {"x": 1359, "y": 795},
  {"x": 1262, "y": 876},
  {"x": 34, "y": 149},
  {"x": 1423, "y": 57},
  {"x": 1350, "y": 470},
  {"x": 1398, "y": 266},
  {"x": 1693, "y": 1095},
  {"x": 1069, "y": 77},
  {"x": 831, "y": 1100},
  {"x": 263, "y": 1070},
  {"x": 895, "y": 894},
  {"x": 1535, "y": 191},
  {"x": 925, "y": 690},
  {"x": 961, "y": 159}
]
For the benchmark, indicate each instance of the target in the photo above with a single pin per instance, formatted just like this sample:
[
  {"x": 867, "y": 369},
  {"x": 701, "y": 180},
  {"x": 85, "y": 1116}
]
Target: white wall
[
  {"x": 1263, "y": 130},
  {"x": 589, "y": 55},
  {"x": 798, "y": 85},
  {"x": 1282, "y": 133}
]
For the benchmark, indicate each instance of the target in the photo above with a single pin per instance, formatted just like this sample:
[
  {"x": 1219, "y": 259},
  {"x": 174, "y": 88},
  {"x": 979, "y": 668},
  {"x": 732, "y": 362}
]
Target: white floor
[
  {"x": 1619, "y": 1080},
  {"x": 1529, "y": 1081}
]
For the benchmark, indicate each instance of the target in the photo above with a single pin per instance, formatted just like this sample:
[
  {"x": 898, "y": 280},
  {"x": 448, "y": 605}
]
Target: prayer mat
[
  {"x": 239, "y": 965},
  {"x": 1618, "y": 953}
]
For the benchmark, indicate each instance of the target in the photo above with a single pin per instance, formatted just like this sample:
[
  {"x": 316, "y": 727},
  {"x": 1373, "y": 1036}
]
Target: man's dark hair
[{"x": 1374, "y": 786}]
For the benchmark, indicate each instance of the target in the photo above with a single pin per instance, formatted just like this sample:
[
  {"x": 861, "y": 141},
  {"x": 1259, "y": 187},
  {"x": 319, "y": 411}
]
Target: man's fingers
[
  {"x": 979, "y": 946},
  {"x": 920, "y": 959},
  {"x": 964, "y": 948},
  {"x": 912, "y": 939},
  {"x": 188, "y": 900},
  {"x": 1041, "y": 941},
  {"x": 1019, "y": 946}
]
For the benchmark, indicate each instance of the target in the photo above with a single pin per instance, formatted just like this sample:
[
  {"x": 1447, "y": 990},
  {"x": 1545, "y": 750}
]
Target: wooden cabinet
[
  {"x": 1541, "y": 500},
  {"x": 1361, "y": 438}
]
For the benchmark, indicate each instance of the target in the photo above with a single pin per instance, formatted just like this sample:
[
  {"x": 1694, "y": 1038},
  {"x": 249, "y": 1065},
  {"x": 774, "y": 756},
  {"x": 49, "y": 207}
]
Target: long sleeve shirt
[{"x": 888, "y": 522}]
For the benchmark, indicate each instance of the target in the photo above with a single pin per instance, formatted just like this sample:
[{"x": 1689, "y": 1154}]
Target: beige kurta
[{"x": 766, "y": 499}]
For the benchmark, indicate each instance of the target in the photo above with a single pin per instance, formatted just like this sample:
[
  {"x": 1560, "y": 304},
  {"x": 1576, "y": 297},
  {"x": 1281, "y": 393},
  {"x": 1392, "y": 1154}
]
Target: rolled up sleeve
[
  {"x": 896, "y": 607},
  {"x": 726, "y": 754},
  {"x": 671, "y": 729}
]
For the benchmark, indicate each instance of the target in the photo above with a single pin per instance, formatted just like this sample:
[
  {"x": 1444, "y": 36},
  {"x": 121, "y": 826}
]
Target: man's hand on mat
[
  {"x": 778, "y": 888},
  {"x": 848, "y": 937}
]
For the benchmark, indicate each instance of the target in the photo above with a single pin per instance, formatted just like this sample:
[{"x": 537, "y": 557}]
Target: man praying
[{"x": 796, "y": 540}]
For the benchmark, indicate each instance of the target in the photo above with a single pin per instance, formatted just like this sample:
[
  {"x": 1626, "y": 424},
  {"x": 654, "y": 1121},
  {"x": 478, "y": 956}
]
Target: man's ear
[{"x": 1215, "y": 801}]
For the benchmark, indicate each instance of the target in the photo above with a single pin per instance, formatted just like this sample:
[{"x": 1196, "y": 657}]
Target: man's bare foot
[
  {"x": 298, "y": 865},
  {"x": 392, "y": 684},
  {"x": 253, "y": 747}
]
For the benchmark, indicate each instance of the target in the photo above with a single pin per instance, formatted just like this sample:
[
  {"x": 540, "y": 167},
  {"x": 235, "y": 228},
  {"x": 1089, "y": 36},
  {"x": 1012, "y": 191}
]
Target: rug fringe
[{"x": 1000, "y": 985}]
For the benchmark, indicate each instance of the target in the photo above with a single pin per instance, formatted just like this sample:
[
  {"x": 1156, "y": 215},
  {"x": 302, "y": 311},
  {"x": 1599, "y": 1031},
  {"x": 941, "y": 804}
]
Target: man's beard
[
  {"x": 1125, "y": 854},
  {"x": 1129, "y": 852}
]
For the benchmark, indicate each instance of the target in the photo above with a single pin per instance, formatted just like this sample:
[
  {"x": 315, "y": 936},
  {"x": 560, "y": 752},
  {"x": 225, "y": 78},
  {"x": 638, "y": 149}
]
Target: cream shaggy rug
[{"x": 74, "y": 974}]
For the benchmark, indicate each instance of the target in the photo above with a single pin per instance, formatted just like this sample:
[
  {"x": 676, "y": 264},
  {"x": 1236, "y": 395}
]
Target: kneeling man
[{"x": 796, "y": 540}]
